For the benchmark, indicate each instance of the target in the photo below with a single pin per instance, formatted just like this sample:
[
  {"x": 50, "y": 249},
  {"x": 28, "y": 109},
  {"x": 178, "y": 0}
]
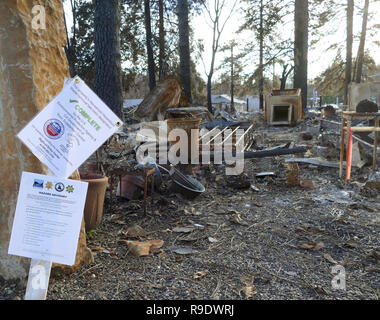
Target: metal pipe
[
  {"x": 349, "y": 155},
  {"x": 267, "y": 153}
]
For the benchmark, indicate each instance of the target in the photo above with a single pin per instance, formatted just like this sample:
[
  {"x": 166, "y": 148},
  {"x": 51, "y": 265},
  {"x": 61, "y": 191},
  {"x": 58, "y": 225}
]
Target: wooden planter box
[{"x": 283, "y": 107}]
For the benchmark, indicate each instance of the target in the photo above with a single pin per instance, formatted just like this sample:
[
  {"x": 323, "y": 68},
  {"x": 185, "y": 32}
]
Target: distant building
[
  {"x": 375, "y": 77},
  {"x": 223, "y": 102},
  {"x": 253, "y": 103}
]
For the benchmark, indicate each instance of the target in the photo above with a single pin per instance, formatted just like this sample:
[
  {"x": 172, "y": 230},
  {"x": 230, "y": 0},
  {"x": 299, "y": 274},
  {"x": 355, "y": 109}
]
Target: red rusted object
[{"x": 349, "y": 155}]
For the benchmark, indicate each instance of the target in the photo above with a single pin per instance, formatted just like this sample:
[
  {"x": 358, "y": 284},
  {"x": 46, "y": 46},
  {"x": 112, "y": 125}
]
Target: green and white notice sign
[{"x": 70, "y": 128}]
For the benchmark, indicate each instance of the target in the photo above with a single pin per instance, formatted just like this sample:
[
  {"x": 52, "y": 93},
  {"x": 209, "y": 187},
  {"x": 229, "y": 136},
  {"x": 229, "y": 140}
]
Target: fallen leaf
[
  {"x": 238, "y": 220},
  {"x": 136, "y": 231},
  {"x": 212, "y": 240},
  {"x": 200, "y": 274},
  {"x": 141, "y": 249},
  {"x": 154, "y": 249},
  {"x": 115, "y": 216},
  {"x": 249, "y": 291},
  {"x": 342, "y": 221},
  {"x": 120, "y": 222},
  {"x": 319, "y": 245},
  {"x": 352, "y": 244},
  {"x": 329, "y": 258},
  {"x": 306, "y": 228},
  {"x": 257, "y": 204},
  {"x": 183, "y": 229},
  {"x": 188, "y": 239},
  {"x": 156, "y": 245},
  {"x": 311, "y": 246},
  {"x": 308, "y": 184},
  {"x": 300, "y": 229},
  {"x": 248, "y": 288},
  {"x": 99, "y": 248},
  {"x": 182, "y": 251}
]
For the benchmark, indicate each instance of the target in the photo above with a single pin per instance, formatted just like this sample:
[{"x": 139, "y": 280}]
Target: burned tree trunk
[
  {"x": 301, "y": 48},
  {"x": 232, "y": 77},
  {"x": 184, "y": 47},
  {"x": 350, "y": 18},
  {"x": 360, "y": 57},
  {"x": 261, "y": 63},
  {"x": 107, "y": 54},
  {"x": 162, "y": 67},
  {"x": 149, "y": 48}
]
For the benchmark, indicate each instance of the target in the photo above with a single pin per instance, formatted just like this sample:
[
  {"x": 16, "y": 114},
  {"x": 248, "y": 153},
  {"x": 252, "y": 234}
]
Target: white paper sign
[
  {"x": 48, "y": 218},
  {"x": 70, "y": 128}
]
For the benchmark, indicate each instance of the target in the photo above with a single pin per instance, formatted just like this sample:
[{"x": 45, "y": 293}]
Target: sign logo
[
  {"x": 59, "y": 186},
  {"x": 54, "y": 129},
  {"x": 38, "y": 183}
]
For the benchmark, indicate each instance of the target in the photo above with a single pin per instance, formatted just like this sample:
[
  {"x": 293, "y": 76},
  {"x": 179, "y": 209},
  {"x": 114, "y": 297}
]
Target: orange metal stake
[{"x": 349, "y": 155}]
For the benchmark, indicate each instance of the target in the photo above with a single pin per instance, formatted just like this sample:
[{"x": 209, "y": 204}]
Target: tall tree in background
[
  {"x": 285, "y": 74},
  {"x": 262, "y": 17},
  {"x": 80, "y": 42},
  {"x": 149, "y": 48},
  {"x": 350, "y": 22},
  {"x": 330, "y": 83},
  {"x": 162, "y": 68},
  {"x": 301, "y": 47},
  {"x": 360, "y": 56},
  {"x": 232, "y": 74},
  {"x": 214, "y": 14},
  {"x": 261, "y": 55},
  {"x": 107, "y": 53},
  {"x": 184, "y": 47},
  {"x": 70, "y": 48}
]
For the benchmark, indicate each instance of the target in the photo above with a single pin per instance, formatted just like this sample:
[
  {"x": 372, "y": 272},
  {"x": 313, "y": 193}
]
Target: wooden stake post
[
  {"x": 39, "y": 276},
  {"x": 38, "y": 280},
  {"x": 39, "y": 272}
]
